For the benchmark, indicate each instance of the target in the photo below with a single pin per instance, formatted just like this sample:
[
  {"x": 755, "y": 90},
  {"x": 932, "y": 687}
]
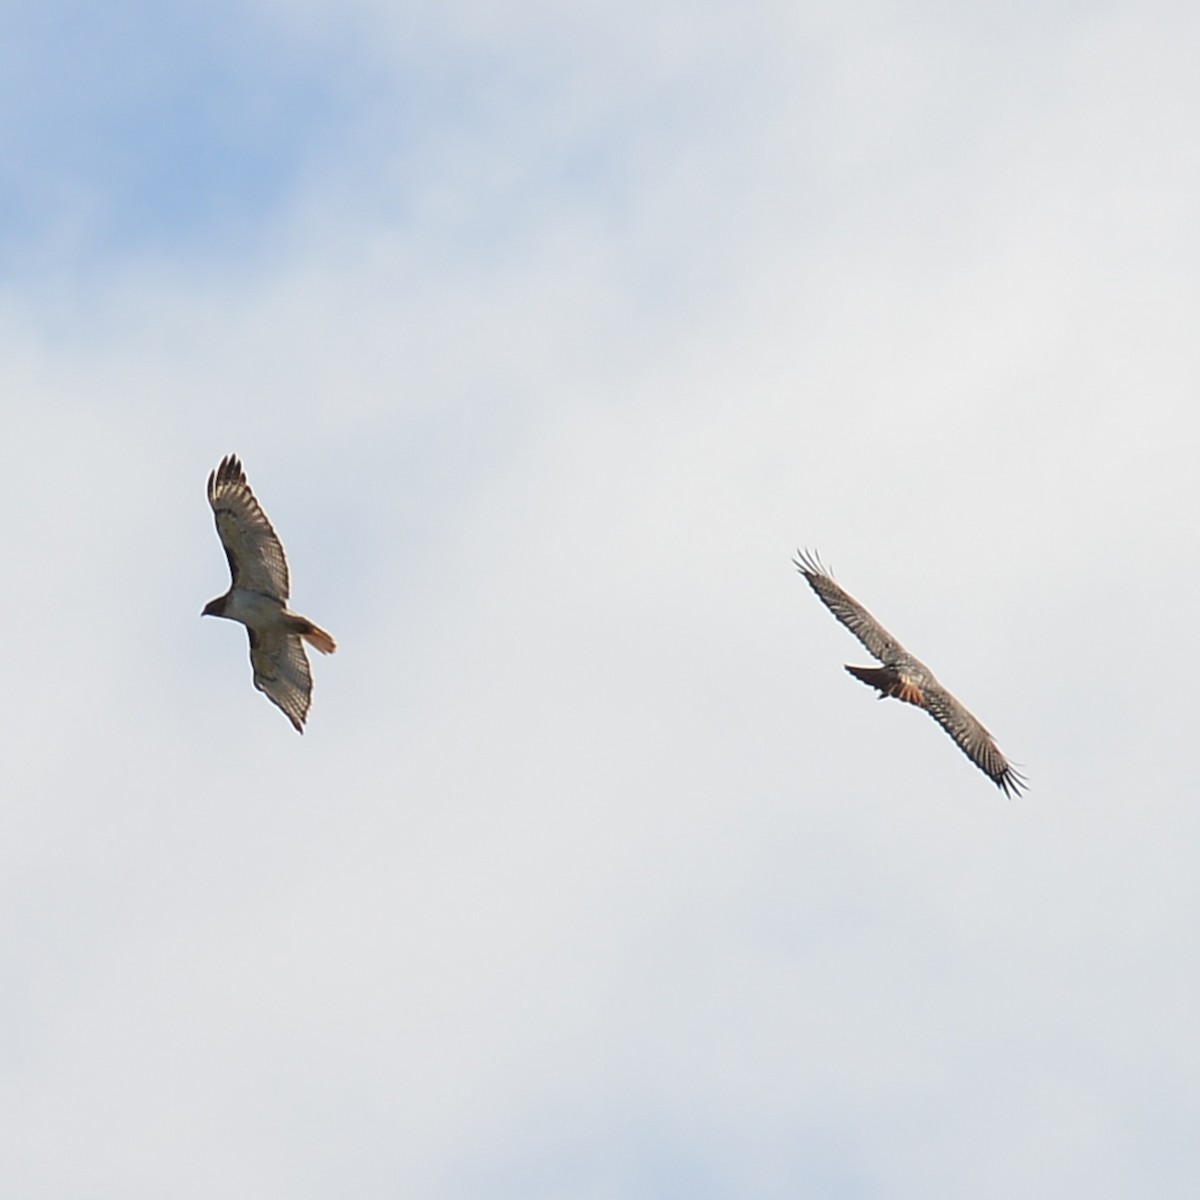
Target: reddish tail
[
  {"x": 314, "y": 635},
  {"x": 889, "y": 683}
]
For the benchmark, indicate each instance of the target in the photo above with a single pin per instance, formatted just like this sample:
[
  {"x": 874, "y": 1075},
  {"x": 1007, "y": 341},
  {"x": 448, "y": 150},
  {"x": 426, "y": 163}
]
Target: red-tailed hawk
[
  {"x": 909, "y": 679},
  {"x": 257, "y": 596}
]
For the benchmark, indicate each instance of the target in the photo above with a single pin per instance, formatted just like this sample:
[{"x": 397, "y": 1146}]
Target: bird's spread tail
[
  {"x": 313, "y": 634},
  {"x": 319, "y": 639},
  {"x": 889, "y": 683}
]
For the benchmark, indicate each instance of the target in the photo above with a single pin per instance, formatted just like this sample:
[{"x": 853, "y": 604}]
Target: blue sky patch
[{"x": 127, "y": 126}]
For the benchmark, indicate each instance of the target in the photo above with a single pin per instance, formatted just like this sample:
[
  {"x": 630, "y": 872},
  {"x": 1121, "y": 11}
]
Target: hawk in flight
[
  {"x": 258, "y": 593},
  {"x": 909, "y": 679}
]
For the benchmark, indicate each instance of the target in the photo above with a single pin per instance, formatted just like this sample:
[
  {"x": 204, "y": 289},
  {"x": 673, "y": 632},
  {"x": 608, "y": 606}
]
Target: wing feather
[
  {"x": 972, "y": 738},
  {"x": 853, "y": 615},
  {"x": 257, "y": 562},
  {"x": 281, "y": 672}
]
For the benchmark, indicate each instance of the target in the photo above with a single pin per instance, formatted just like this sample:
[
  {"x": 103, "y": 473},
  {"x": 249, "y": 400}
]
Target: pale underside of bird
[
  {"x": 258, "y": 594},
  {"x": 907, "y": 678}
]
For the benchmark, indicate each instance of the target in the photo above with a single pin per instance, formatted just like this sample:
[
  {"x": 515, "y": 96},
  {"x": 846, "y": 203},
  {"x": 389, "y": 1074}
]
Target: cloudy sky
[{"x": 547, "y": 333}]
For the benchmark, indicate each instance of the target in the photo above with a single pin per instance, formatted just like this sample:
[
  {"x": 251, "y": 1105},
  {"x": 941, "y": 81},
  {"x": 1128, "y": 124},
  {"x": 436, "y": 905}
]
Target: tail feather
[
  {"x": 314, "y": 635},
  {"x": 876, "y": 677},
  {"x": 889, "y": 683}
]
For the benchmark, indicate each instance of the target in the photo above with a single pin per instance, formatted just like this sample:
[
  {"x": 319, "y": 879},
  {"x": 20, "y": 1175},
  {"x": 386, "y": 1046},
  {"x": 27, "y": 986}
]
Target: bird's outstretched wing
[
  {"x": 255, "y": 553},
  {"x": 972, "y": 739},
  {"x": 908, "y": 679},
  {"x": 281, "y": 671},
  {"x": 877, "y": 640}
]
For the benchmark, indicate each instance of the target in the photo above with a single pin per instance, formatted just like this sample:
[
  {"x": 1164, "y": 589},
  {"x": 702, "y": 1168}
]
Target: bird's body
[
  {"x": 258, "y": 594},
  {"x": 904, "y": 677},
  {"x": 252, "y": 609}
]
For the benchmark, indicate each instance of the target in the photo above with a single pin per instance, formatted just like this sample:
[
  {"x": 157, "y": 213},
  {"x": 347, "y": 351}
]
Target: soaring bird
[
  {"x": 909, "y": 679},
  {"x": 258, "y": 593}
]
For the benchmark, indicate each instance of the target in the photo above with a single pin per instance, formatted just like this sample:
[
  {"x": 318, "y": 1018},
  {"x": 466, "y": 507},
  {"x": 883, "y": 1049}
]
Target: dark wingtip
[
  {"x": 1011, "y": 782},
  {"x": 808, "y": 563},
  {"x": 229, "y": 470}
]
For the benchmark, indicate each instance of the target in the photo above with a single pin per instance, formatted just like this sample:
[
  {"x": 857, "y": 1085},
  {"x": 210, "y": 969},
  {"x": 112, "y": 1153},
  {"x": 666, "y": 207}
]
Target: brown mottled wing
[
  {"x": 972, "y": 739},
  {"x": 281, "y": 672},
  {"x": 848, "y": 610},
  {"x": 256, "y": 559}
]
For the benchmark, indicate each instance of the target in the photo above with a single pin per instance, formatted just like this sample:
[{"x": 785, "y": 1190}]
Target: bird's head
[{"x": 214, "y": 608}]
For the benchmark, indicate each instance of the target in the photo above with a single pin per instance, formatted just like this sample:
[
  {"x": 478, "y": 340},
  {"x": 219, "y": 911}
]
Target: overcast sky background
[{"x": 547, "y": 333}]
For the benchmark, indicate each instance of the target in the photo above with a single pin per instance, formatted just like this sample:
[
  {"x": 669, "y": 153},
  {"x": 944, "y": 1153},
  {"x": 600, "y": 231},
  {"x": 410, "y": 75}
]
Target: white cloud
[{"x": 594, "y": 874}]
